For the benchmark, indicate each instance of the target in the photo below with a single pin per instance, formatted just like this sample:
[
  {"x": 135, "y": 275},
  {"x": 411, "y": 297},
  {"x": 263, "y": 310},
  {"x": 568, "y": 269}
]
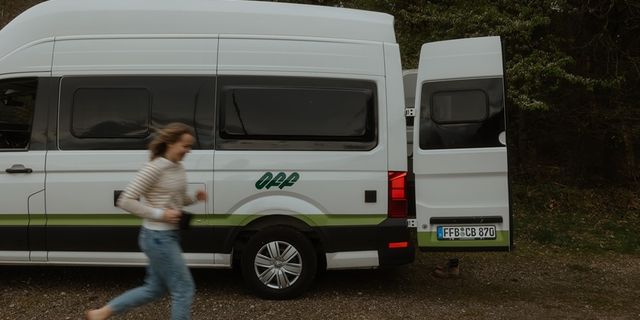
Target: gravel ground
[{"x": 525, "y": 284}]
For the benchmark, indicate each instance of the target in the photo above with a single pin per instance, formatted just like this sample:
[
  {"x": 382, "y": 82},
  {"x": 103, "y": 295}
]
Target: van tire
[{"x": 289, "y": 263}]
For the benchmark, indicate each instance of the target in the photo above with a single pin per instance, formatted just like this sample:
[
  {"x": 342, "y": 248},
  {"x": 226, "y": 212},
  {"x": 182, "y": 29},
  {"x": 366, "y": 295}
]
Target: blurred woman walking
[{"x": 162, "y": 182}]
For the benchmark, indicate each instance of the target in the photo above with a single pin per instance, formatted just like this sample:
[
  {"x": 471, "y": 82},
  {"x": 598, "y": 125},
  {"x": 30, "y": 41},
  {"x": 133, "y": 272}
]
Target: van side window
[
  {"x": 461, "y": 114},
  {"x": 286, "y": 113},
  {"x": 111, "y": 113},
  {"x": 120, "y": 112},
  {"x": 17, "y": 106}
]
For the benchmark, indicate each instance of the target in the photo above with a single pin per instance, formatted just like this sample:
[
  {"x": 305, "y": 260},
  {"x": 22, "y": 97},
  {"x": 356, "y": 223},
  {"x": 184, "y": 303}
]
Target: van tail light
[{"x": 397, "y": 194}]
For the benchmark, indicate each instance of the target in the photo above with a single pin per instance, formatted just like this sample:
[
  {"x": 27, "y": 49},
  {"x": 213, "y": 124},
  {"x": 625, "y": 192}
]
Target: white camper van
[{"x": 299, "y": 114}]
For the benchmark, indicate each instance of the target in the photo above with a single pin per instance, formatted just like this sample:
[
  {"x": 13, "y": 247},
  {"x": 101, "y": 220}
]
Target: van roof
[{"x": 59, "y": 18}]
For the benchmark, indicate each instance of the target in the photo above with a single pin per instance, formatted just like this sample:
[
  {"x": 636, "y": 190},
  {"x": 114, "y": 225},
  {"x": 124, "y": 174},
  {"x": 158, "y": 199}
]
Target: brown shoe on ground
[{"x": 447, "y": 272}]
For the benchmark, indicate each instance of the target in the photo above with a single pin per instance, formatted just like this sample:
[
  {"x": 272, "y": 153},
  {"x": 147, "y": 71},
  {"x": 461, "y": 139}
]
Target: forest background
[{"x": 573, "y": 99}]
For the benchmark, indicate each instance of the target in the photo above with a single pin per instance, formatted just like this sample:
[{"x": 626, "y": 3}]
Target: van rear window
[{"x": 461, "y": 114}]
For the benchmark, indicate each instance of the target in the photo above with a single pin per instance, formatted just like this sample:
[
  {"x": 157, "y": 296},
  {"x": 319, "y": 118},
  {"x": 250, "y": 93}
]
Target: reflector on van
[{"x": 398, "y": 245}]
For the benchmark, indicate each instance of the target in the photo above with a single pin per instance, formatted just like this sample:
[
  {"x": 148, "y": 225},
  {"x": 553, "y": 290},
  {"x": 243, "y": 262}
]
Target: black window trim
[
  {"x": 435, "y": 136},
  {"x": 205, "y": 138},
  {"x": 224, "y": 141}
]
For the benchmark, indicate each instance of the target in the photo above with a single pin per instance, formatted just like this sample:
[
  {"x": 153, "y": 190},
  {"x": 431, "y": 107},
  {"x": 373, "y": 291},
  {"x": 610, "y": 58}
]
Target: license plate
[{"x": 466, "y": 232}]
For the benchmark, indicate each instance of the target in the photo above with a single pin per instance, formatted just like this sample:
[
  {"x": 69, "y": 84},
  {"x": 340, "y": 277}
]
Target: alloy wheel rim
[{"x": 278, "y": 264}]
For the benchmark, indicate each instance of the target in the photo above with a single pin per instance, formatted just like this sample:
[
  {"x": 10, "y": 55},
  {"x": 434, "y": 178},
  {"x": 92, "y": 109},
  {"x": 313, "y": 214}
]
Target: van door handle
[
  {"x": 116, "y": 196},
  {"x": 18, "y": 168},
  {"x": 502, "y": 138}
]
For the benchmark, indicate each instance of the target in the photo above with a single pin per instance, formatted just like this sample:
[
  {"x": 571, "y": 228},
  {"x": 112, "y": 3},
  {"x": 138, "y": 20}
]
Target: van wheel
[{"x": 278, "y": 263}]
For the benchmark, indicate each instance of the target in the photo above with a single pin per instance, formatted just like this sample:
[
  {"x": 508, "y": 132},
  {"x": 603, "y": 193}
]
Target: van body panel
[
  {"x": 287, "y": 204},
  {"x": 22, "y": 164},
  {"x": 14, "y": 256},
  {"x": 89, "y": 180},
  {"x": 131, "y": 259},
  {"x": 37, "y": 222},
  {"x": 239, "y": 195},
  {"x": 291, "y": 55},
  {"x": 29, "y": 58},
  {"x": 352, "y": 260},
  {"x": 459, "y": 153},
  {"x": 123, "y": 17},
  {"x": 73, "y": 177},
  {"x": 397, "y": 139},
  {"x": 135, "y": 55},
  {"x": 18, "y": 187},
  {"x": 463, "y": 161},
  {"x": 461, "y": 59}
]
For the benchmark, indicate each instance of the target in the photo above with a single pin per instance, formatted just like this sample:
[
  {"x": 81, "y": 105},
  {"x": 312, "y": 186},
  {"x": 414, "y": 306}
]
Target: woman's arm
[
  {"x": 201, "y": 195},
  {"x": 129, "y": 200}
]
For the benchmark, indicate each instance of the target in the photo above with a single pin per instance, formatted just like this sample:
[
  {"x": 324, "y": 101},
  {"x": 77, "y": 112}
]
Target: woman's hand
[
  {"x": 201, "y": 195},
  {"x": 171, "y": 216}
]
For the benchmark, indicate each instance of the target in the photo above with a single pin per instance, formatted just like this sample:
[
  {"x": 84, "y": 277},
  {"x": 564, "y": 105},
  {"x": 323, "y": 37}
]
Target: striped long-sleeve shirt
[{"x": 163, "y": 185}]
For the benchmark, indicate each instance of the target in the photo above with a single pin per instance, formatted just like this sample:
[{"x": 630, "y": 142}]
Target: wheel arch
[{"x": 242, "y": 235}]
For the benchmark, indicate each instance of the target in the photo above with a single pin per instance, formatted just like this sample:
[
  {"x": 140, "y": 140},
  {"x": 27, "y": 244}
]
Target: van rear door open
[{"x": 459, "y": 149}]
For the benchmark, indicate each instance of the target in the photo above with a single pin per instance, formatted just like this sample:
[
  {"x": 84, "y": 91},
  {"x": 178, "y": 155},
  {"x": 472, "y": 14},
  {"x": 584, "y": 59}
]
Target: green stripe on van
[
  {"x": 341, "y": 219},
  {"x": 37, "y": 220},
  {"x": 14, "y": 219},
  {"x": 313, "y": 220},
  {"x": 430, "y": 239},
  {"x": 114, "y": 219},
  {"x": 125, "y": 219}
]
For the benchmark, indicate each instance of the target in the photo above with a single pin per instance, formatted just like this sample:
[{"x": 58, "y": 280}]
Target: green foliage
[
  {"x": 591, "y": 219},
  {"x": 11, "y": 8}
]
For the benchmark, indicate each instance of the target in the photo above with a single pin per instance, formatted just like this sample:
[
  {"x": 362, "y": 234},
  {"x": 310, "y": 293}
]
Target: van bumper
[
  {"x": 394, "y": 231},
  {"x": 369, "y": 238}
]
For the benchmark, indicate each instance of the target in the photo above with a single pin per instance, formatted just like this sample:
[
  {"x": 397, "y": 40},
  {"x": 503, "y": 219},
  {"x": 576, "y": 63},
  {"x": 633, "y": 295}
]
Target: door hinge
[
  {"x": 410, "y": 112},
  {"x": 412, "y": 223}
]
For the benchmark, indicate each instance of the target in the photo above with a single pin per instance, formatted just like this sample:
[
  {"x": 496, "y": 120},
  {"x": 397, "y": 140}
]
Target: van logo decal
[{"x": 280, "y": 180}]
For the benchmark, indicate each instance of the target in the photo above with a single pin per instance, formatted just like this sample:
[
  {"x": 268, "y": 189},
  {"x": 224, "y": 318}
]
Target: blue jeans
[{"x": 167, "y": 270}]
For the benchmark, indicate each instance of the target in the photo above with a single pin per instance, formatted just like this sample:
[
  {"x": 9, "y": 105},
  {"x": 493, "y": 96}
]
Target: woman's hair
[{"x": 170, "y": 134}]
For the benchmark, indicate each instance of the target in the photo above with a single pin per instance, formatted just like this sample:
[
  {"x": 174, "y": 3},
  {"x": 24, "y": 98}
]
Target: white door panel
[
  {"x": 96, "y": 174},
  {"x": 80, "y": 194},
  {"x": 22, "y": 160},
  {"x": 461, "y": 58},
  {"x": 15, "y": 211},
  {"x": 87, "y": 180},
  {"x": 459, "y": 161},
  {"x": 460, "y": 164}
]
